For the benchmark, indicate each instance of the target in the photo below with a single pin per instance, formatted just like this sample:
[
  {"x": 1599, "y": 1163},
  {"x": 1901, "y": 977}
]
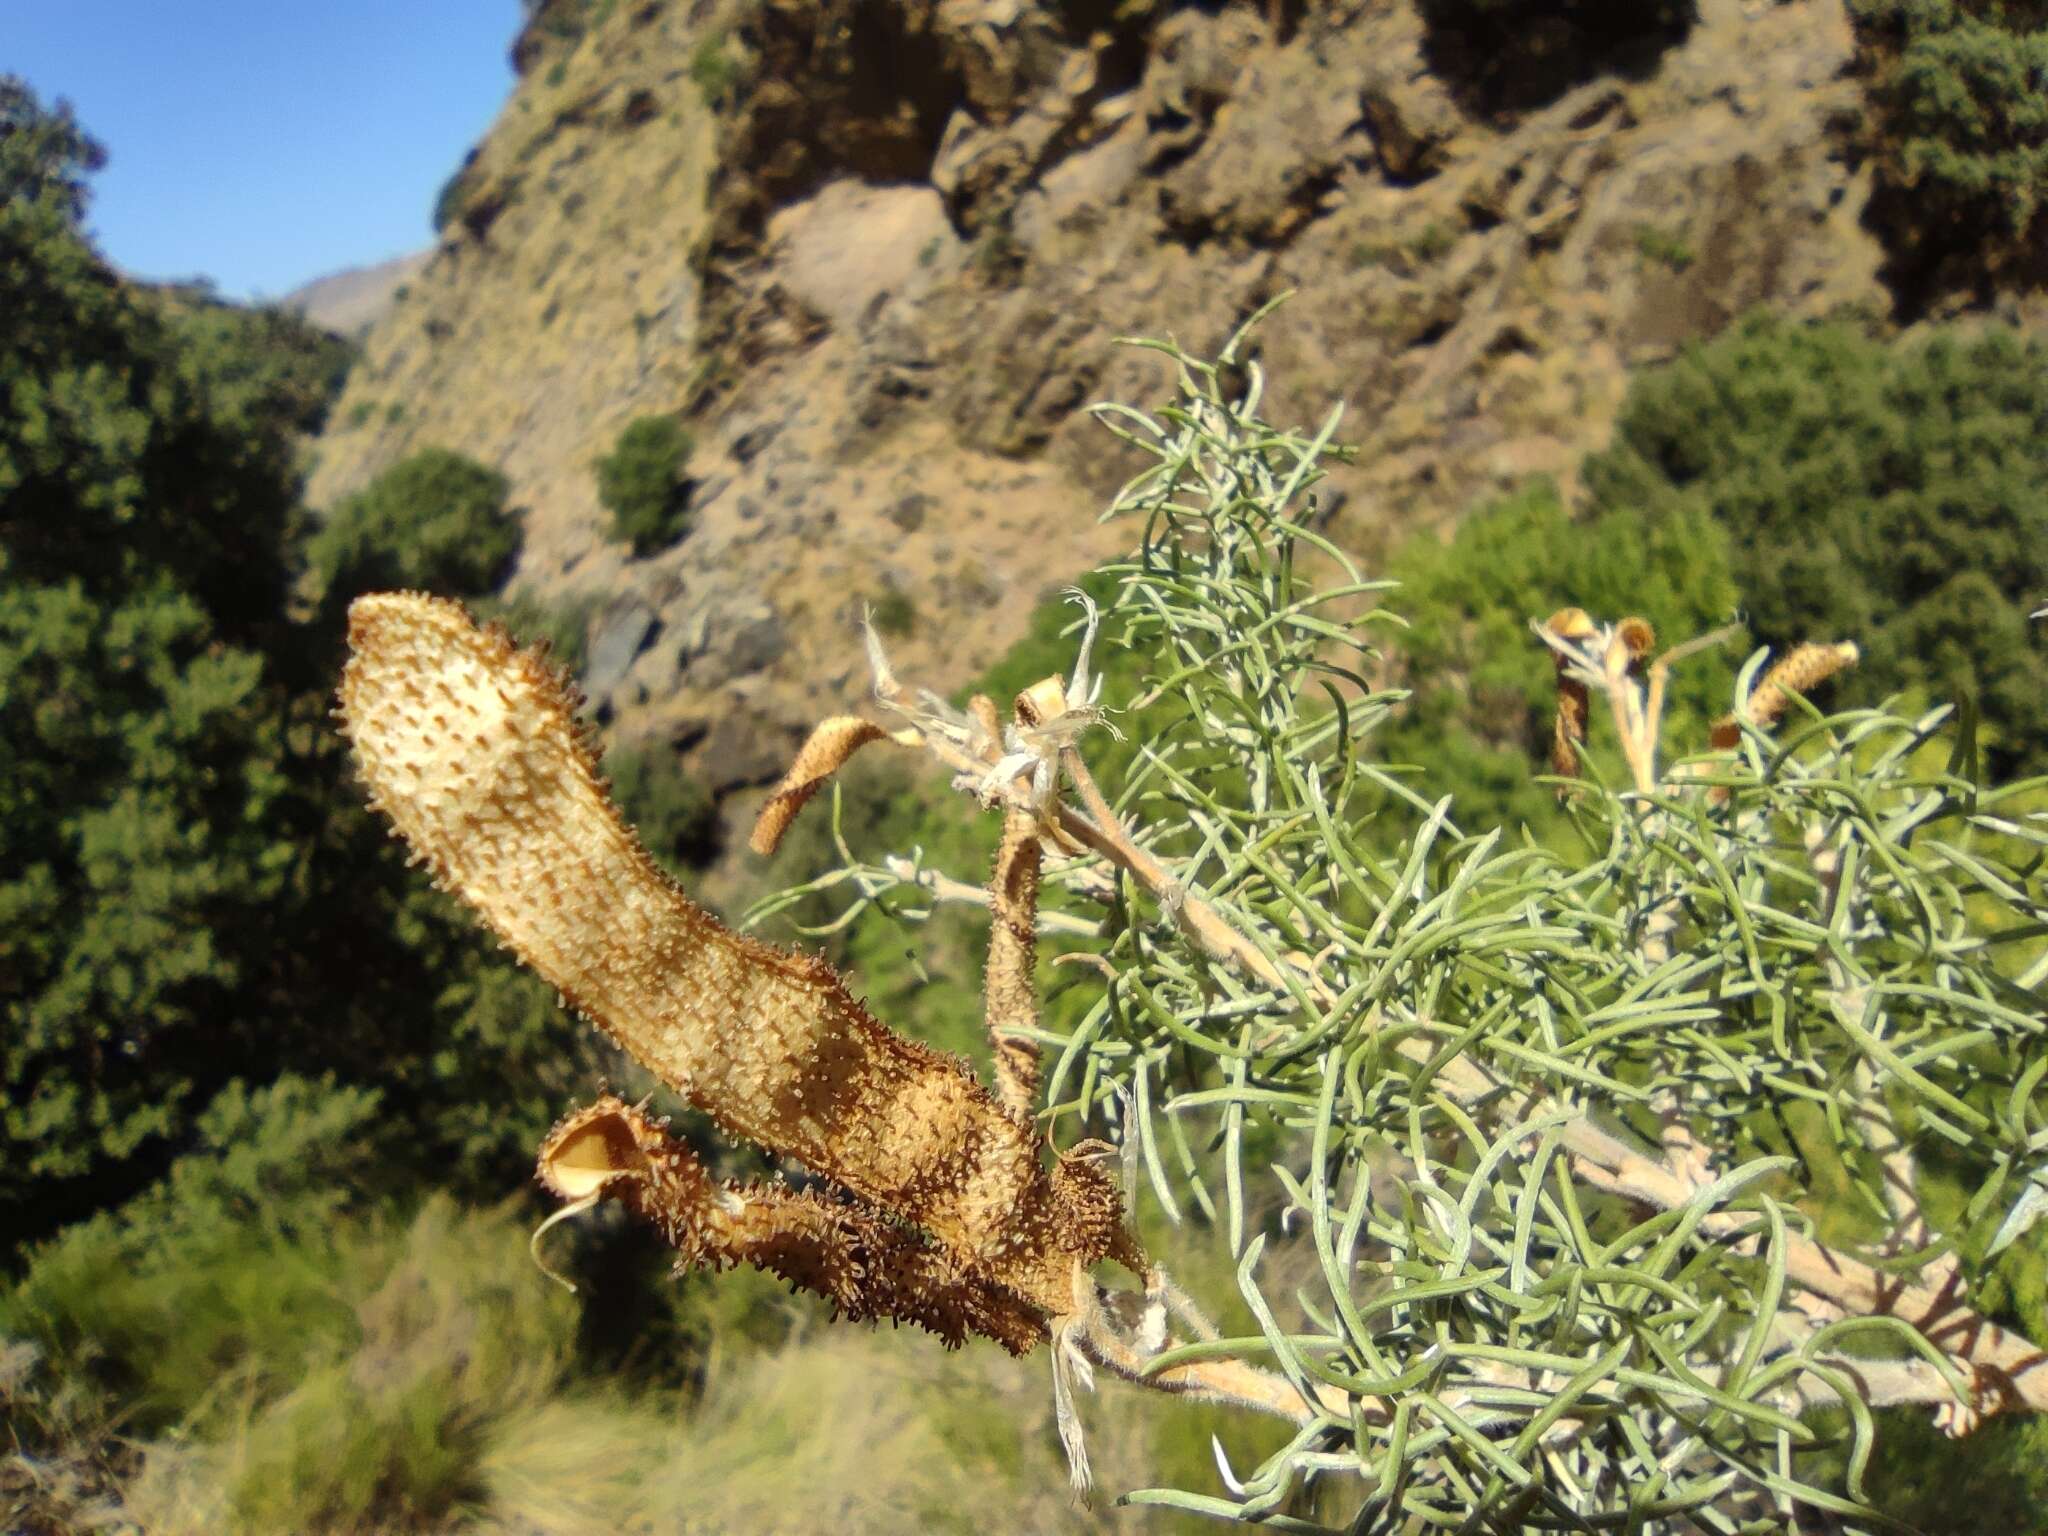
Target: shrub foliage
[
  {"x": 1893, "y": 493},
  {"x": 191, "y": 895},
  {"x": 642, "y": 482},
  {"x": 1481, "y": 699},
  {"x": 1961, "y": 92}
]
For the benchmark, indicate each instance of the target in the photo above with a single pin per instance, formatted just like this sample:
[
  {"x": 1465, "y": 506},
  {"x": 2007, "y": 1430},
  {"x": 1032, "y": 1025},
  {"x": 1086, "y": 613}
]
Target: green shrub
[
  {"x": 1666, "y": 247},
  {"x": 147, "y": 510},
  {"x": 712, "y": 69},
  {"x": 1433, "y": 243},
  {"x": 436, "y": 521},
  {"x": 270, "y": 370},
  {"x": 564, "y": 626},
  {"x": 643, "y": 484},
  {"x": 220, "y": 1279},
  {"x": 893, "y": 613},
  {"x": 452, "y": 201},
  {"x": 45, "y": 156},
  {"x": 190, "y": 890},
  {"x": 1887, "y": 493},
  {"x": 673, "y": 812},
  {"x": 1960, "y": 89}
]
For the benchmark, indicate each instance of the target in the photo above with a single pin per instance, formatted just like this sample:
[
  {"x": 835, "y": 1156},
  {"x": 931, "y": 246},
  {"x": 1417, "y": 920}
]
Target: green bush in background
[
  {"x": 271, "y": 369},
  {"x": 452, "y": 201},
  {"x": 435, "y": 522},
  {"x": 642, "y": 483},
  {"x": 1483, "y": 693},
  {"x": 1889, "y": 493},
  {"x": 1960, "y": 89},
  {"x": 565, "y": 626}
]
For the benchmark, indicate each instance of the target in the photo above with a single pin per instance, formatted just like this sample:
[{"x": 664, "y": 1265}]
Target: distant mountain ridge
[{"x": 350, "y": 302}]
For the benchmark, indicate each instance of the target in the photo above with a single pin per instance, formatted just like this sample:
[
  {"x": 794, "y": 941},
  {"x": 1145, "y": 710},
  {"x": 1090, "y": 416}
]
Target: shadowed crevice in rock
[{"x": 1505, "y": 56}]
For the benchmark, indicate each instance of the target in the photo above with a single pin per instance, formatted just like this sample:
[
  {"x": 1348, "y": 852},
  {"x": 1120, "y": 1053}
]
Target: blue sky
[{"x": 264, "y": 142}]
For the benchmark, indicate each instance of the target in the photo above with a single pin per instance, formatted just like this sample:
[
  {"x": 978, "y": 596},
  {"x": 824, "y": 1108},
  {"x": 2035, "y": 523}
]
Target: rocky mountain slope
[
  {"x": 351, "y": 302},
  {"x": 875, "y": 253}
]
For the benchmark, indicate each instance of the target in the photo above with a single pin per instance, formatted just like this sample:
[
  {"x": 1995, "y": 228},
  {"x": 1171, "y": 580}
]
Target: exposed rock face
[{"x": 881, "y": 278}]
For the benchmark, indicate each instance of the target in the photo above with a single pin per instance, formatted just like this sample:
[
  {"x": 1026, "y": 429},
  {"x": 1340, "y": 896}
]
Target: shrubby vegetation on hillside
[
  {"x": 643, "y": 485},
  {"x": 1894, "y": 492},
  {"x": 144, "y": 846},
  {"x": 1482, "y": 697},
  {"x": 1961, "y": 92},
  {"x": 435, "y": 522},
  {"x": 1806, "y": 479}
]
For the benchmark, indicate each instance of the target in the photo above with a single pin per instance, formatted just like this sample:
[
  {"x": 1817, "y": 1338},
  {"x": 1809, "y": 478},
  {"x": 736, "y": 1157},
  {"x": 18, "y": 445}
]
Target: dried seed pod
[
  {"x": 1568, "y": 733},
  {"x": 1637, "y": 637},
  {"x": 472, "y": 749},
  {"x": 981, "y": 709},
  {"x": 1042, "y": 701},
  {"x": 1800, "y": 670},
  {"x": 1011, "y": 991},
  {"x": 823, "y": 754},
  {"x": 864, "y": 1264}
]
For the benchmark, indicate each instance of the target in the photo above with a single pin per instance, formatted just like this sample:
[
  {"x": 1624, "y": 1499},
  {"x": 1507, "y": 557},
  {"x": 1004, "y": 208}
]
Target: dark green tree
[
  {"x": 190, "y": 891},
  {"x": 271, "y": 369},
  {"x": 44, "y": 154},
  {"x": 436, "y": 522},
  {"x": 144, "y": 563},
  {"x": 1889, "y": 493}
]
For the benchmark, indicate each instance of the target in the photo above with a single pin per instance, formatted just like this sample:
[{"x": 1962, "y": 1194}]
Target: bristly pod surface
[{"x": 471, "y": 747}]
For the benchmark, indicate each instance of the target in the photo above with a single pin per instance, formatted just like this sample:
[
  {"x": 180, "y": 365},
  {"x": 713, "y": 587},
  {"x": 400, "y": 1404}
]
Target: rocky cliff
[{"x": 875, "y": 253}]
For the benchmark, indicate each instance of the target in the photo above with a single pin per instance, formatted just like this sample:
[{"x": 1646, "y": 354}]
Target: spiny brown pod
[
  {"x": 864, "y": 1264},
  {"x": 471, "y": 747}
]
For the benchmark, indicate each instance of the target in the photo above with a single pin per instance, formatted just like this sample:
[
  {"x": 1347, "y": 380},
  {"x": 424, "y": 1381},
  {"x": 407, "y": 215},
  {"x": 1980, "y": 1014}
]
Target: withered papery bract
[{"x": 471, "y": 747}]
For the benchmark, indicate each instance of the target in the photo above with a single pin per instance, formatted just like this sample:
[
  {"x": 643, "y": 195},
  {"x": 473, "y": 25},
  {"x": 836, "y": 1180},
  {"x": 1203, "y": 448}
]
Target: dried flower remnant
[
  {"x": 1568, "y": 736},
  {"x": 826, "y": 751},
  {"x": 471, "y": 747},
  {"x": 1012, "y": 989}
]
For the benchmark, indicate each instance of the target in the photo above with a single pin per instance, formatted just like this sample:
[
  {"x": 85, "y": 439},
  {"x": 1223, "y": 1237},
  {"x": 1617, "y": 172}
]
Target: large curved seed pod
[{"x": 471, "y": 747}]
